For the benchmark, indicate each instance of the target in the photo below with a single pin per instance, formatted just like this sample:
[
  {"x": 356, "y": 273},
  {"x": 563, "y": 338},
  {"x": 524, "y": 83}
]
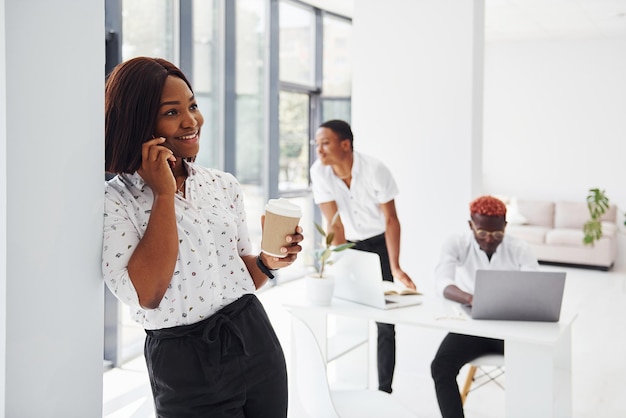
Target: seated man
[{"x": 485, "y": 246}]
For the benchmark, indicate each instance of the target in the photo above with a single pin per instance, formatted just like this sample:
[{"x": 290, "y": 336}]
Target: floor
[{"x": 599, "y": 345}]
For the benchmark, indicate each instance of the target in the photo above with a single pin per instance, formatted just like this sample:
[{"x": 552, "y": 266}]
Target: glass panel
[
  {"x": 251, "y": 97},
  {"x": 207, "y": 78},
  {"x": 337, "y": 109},
  {"x": 337, "y": 64},
  {"x": 148, "y": 29},
  {"x": 297, "y": 44},
  {"x": 337, "y": 69},
  {"x": 293, "y": 141}
]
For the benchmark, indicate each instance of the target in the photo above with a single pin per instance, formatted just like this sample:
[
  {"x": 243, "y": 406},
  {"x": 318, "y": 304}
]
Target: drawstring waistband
[
  {"x": 217, "y": 331},
  {"x": 225, "y": 334}
]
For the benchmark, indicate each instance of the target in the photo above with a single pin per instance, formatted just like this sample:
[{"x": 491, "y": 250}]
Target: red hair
[{"x": 487, "y": 206}]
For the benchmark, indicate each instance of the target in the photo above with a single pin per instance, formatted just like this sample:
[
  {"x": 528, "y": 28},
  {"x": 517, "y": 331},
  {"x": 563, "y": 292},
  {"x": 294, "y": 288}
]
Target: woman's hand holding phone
[{"x": 156, "y": 168}]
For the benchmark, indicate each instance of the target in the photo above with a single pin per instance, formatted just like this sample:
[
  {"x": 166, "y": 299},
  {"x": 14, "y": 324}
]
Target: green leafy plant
[
  {"x": 323, "y": 254},
  {"x": 598, "y": 204}
]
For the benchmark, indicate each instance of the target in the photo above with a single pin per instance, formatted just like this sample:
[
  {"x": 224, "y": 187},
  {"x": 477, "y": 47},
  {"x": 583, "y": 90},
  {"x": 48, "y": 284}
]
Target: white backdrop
[
  {"x": 417, "y": 98},
  {"x": 555, "y": 121},
  {"x": 553, "y": 124}
]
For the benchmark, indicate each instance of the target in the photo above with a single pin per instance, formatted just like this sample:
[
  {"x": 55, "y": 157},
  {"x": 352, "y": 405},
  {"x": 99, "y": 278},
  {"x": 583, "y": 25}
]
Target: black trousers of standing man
[{"x": 386, "y": 332}]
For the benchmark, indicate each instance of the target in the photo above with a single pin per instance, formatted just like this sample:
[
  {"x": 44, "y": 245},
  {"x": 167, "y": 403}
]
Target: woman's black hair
[{"x": 132, "y": 96}]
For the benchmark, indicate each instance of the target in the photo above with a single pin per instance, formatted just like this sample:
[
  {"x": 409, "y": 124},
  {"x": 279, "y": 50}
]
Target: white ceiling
[
  {"x": 511, "y": 20},
  {"x": 515, "y": 20}
]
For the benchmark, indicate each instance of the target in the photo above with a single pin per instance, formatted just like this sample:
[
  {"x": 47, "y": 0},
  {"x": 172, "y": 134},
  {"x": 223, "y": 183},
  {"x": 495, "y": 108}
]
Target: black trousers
[
  {"x": 386, "y": 349},
  {"x": 229, "y": 365},
  {"x": 455, "y": 351}
]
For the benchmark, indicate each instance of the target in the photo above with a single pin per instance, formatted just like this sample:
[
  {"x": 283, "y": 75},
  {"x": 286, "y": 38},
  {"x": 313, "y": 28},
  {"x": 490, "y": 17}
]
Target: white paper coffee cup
[{"x": 281, "y": 219}]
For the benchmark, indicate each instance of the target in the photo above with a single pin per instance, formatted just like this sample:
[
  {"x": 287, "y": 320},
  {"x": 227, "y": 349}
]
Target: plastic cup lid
[{"x": 283, "y": 207}]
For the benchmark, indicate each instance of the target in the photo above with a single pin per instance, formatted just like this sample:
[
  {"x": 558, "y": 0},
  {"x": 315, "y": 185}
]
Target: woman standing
[{"x": 176, "y": 250}]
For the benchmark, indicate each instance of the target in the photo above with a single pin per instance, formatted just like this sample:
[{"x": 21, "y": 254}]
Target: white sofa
[{"x": 555, "y": 231}]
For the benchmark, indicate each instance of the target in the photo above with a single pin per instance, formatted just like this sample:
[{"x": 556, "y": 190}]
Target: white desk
[{"x": 538, "y": 355}]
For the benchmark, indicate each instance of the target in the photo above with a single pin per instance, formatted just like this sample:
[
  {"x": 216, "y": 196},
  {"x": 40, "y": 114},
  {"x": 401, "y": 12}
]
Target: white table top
[{"x": 439, "y": 313}]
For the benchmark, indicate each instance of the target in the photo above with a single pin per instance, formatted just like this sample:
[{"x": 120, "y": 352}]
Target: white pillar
[
  {"x": 417, "y": 105},
  {"x": 51, "y": 200},
  {"x": 3, "y": 210}
]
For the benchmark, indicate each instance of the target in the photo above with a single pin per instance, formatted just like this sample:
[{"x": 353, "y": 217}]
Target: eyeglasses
[{"x": 483, "y": 233}]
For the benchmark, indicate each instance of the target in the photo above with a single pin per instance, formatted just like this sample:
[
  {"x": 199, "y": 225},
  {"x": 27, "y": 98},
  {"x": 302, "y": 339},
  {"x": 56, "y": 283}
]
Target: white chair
[
  {"x": 491, "y": 366},
  {"x": 316, "y": 398}
]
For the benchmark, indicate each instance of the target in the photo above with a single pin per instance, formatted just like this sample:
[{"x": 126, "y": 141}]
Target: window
[
  {"x": 250, "y": 105},
  {"x": 298, "y": 91},
  {"x": 207, "y": 77},
  {"x": 256, "y": 68},
  {"x": 337, "y": 69},
  {"x": 297, "y": 44},
  {"x": 294, "y": 128},
  {"x": 337, "y": 58},
  {"x": 149, "y": 29}
]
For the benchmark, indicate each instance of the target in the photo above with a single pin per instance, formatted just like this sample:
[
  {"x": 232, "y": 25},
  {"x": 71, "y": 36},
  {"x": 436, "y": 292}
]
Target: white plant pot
[{"x": 320, "y": 290}]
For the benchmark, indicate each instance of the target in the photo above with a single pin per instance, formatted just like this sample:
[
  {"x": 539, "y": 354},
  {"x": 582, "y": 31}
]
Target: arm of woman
[
  {"x": 291, "y": 249},
  {"x": 258, "y": 277},
  {"x": 151, "y": 265}
]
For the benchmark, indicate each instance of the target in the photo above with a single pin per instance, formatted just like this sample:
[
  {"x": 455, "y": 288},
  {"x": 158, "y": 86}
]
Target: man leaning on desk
[
  {"x": 485, "y": 246},
  {"x": 362, "y": 190}
]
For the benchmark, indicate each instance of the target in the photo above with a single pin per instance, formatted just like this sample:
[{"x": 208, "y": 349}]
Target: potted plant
[
  {"x": 320, "y": 285},
  {"x": 598, "y": 204}
]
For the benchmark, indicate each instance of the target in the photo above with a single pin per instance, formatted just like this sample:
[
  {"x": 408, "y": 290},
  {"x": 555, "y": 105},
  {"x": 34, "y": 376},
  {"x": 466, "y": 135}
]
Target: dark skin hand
[{"x": 291, "y": 249}]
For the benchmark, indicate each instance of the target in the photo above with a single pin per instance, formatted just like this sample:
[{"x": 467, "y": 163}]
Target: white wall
[
  {"x": 417, "y": 97},
  {"x": 51, "y": 147},
  {"x": 554, "y": 115},
  {"x": 555, "y": 119},
  {"x": 3, "y": 209}
]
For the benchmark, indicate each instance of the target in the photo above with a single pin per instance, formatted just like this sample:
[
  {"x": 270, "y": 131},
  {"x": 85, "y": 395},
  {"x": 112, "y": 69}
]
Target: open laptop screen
[{"x": 518, "y": 295}]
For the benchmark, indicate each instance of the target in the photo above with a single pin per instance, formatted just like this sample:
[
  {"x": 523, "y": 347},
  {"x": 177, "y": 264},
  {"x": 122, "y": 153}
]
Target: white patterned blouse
[{"x": 213, "y": 235}]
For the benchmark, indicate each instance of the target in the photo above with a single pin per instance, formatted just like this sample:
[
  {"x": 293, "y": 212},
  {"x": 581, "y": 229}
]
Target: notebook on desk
[
  {"x": 517, "y": 295},
  {"x": 358, "y": 279}
]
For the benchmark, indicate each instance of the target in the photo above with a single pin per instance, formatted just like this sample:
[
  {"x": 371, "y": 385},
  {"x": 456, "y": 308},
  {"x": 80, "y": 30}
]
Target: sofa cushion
[
  {"x": 531, "y": 233},
  {"x": 513, "y": 216},
  {"x": 609, "y": 229},
  {"x": 572, "y": 237},
  {"x": 610, "y": 215},
  {"x": 575, "y": 214},
  {"x": 570, "y": 215},
  {"x": 537, "y": 212}
]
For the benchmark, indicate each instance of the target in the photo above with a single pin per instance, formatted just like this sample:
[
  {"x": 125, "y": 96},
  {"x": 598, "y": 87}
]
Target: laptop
[
  {"x": 358, "y": 279},
  {"x": 517, "y": 295}
]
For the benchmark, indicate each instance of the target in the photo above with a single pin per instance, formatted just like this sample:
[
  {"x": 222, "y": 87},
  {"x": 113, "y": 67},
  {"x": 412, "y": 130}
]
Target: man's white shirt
[
  {"x": 359, "y": 206},
  {"x": 461, "y": 256}
]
